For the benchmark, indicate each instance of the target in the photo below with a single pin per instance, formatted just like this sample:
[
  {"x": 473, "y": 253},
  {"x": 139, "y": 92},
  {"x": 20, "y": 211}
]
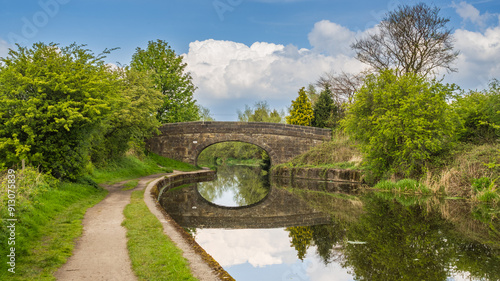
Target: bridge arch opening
[{"x": 217, "y": 152}]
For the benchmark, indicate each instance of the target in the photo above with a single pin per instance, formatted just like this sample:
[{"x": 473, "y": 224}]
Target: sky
[{"x": 240, "y": 52}]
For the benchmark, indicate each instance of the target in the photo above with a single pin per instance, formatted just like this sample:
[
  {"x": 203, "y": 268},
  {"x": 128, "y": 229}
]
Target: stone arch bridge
[{"x": 186, "y": 140}]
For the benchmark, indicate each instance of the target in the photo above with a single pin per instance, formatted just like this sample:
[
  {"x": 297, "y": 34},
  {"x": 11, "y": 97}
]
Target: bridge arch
[
  {"x": 184, "y": 141},
  {"x": 246, "y": 139}
]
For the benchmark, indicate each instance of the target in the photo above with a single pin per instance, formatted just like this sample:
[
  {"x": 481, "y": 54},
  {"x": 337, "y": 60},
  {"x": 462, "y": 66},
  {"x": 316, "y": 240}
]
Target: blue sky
[{"x": 243, "y": 51}]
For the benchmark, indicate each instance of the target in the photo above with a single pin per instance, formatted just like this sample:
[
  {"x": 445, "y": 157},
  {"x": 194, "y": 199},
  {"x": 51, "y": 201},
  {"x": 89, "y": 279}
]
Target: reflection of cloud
[
  {"x": 259, "y": 247},
  {"x": 268, "y": 248}
]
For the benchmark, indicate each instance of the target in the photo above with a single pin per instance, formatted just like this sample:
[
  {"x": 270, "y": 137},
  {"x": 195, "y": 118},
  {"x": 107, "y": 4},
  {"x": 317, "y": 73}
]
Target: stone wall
[
  {"x": 185, "y": 141},
  {"x": 325, "y": 174}
]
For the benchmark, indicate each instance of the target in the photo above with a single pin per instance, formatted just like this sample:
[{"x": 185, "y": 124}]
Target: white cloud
[
  {"x": 479, "y": 59},
  {"x": 470, "y": 13},
  {"x": 226, "y": 71},
  {"x": 331, "y": 38}
]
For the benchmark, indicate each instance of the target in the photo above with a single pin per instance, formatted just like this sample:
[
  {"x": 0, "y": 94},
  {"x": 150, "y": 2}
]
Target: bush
[
  {"x": 480, "y": 114},
  {"x": 401, "y": 123}
]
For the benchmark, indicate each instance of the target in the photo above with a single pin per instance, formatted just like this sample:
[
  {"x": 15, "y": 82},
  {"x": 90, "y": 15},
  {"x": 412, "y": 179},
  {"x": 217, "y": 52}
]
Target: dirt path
[{"x": 101, "y": 253}]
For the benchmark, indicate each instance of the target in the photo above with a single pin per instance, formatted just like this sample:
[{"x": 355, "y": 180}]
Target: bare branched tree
[
  {"x": 411, "y": 39},
  {"x": 343, "y": 86}
]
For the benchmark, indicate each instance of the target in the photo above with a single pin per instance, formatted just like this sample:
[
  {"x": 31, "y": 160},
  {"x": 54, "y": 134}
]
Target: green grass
[
  {"x": 154, "y": 256},
  {"x": 126, "y": 168},
  {"x": 130, "y": 167},
  {"x": 171, "y": 164},
  {"x": 47, "y": 228},
  {"x": 404, "y": 186},
  {"x": 130, "y": 185}
]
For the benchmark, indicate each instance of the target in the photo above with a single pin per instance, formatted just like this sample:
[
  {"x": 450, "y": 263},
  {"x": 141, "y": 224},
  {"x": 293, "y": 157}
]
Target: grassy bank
[
  {"x": 154, "y": 256},
  {"x": 49, "y": 215},
  {"x": 339, "y": 153},
  {"x": 49, "y": 212},
  {"x": 469, "y": 171},
  {"x": 131, "y": 167}
]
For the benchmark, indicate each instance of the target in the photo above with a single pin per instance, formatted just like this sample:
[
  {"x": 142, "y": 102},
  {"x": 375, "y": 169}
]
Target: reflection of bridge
[
  {"x": 279, "y": 209},
  {"x": 185, "y": 141}
]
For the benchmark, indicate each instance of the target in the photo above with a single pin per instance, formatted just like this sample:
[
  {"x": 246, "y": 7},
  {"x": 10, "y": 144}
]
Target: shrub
[{"x": 401, "y": 123}]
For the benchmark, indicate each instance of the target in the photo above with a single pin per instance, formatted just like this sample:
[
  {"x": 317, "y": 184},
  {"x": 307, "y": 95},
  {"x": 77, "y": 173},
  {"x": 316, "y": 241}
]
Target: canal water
[{"x": 261, "y": 229}]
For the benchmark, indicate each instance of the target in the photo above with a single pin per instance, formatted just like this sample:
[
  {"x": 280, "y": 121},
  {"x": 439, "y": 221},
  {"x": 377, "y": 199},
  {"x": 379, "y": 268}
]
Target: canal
[{"x": 262, "y": 229}]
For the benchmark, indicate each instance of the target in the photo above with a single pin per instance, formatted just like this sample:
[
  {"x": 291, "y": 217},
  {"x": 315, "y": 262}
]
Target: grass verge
[
  {"x": 154, "y": 256},
  {"x": 49, "y": 216},
  {"x": 131, "y": 167}
]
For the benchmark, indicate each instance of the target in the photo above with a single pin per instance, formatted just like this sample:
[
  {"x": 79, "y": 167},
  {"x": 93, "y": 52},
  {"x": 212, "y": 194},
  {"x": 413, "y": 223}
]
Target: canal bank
[
  {"x": 202, "y": 265},
  {"x": 321, "y": 174}
]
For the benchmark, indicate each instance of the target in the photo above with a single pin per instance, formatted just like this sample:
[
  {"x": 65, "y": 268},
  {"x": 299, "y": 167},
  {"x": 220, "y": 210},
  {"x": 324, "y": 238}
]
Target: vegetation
[
  {"x": 326, "y": 112},
  {"x": 49, "y": 215},
  {"x": 49, "y": 212},
  {"x": 340, "y": 152},
  {"x": 261, "y": 113},
  {"x": 301, "y": 112},
  {"x": 401, "y": 123},
  {"x": 167, "y": 71},
  {"x": 411, "y": 39},
  {"x": 224, "y": 152},
  {"x": 154, "y": 256},
  {"x": 52, "y": 101}
]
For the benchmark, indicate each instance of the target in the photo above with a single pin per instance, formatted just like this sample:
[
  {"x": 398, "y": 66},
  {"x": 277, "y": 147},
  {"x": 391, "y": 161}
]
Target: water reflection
[
  {"x": 371, "y": 236},
  {"x": 236, "y": 186}
]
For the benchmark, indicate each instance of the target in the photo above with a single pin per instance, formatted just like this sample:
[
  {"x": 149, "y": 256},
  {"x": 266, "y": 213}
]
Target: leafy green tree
[
  {"x": 325, "y": 111},
  {"x": 301, "y": 112},
  {"x": 52, "y": 99},
  {"x": 132, "y": 120},
  {"x": 480, "y": 114},
  {"x": 401, "y": 122},
  {"x": 260, "y": 113},
  {"x": 168, "y": 73}
]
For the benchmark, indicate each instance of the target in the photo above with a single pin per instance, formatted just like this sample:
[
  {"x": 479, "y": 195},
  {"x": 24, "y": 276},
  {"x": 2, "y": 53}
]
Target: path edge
[{"x": 203, "y": 266}]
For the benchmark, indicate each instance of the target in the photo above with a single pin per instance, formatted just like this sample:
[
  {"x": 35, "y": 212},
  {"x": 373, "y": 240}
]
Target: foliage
[
  {"x": 230, "y": 150},
  {"x": 132, "y": 120},
  {"x": 261, "y": 113},
  {"x": 326, "y": 112},
  {"x": 52, "y": 100},
  {"x": 154, "y": 256},
  {"x": 301, "y": 112},
  {"x": 401, "y": 122},
  {"x": 410, "y": 39},
  {"x": 168, "y": 73},
  {"x": 480, "y": 114}
]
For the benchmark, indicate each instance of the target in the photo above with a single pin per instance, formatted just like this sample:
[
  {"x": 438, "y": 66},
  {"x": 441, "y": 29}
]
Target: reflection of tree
[
  {"x": 402, "y": 243},
  {"x": 247, "y": 183},
  {"x": 324, "y": 237},
  {"x": 301, "y": 239}
]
